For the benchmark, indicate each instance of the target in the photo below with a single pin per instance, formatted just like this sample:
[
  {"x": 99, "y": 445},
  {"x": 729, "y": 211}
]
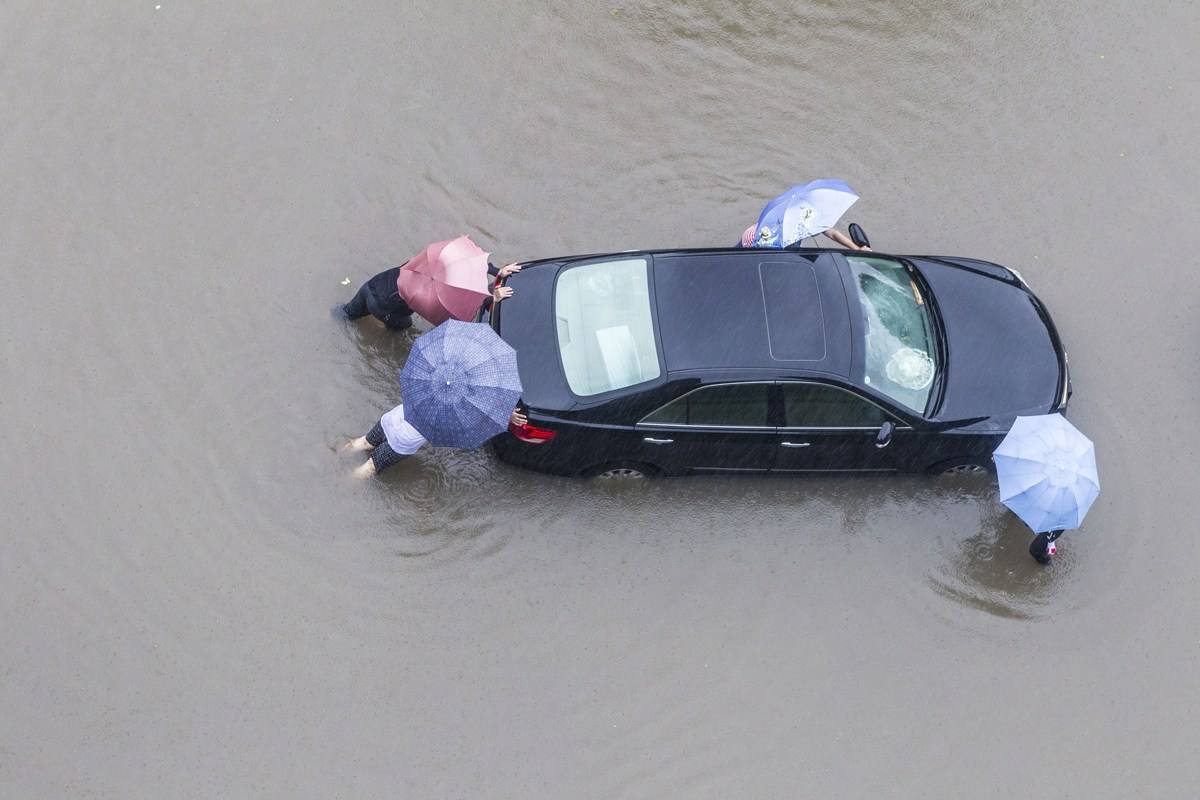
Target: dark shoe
[{"x": 1038, "y": 548}]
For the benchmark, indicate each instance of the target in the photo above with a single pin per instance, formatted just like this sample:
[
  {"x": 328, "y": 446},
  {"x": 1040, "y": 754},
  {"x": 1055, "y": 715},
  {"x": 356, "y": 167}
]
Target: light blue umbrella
[
  {"x": 1047, "y": 472},
  {"x": 460, "y": 384},
  {"x": 803, "y": 211}
]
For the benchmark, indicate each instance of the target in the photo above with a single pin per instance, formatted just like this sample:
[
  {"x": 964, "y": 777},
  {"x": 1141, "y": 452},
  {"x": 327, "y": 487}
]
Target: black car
[{"x": 731, "y": 360}]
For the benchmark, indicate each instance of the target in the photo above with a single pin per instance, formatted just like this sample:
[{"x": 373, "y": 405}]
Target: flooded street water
[{"x": 196, "y": 599}]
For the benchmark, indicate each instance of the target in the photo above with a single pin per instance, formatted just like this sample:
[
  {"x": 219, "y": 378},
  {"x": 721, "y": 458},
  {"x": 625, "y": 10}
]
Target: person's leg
[
  {"x": 1038, "y": 548},
  {"x": 391, "y": 310},
  {"x": 376, "y": 436},
  {"x": 396, "y": 321},
  {"x": 357, "y": 307},
  {"x": 382, "y": 457},
  {"x": 372, "y": 439}
]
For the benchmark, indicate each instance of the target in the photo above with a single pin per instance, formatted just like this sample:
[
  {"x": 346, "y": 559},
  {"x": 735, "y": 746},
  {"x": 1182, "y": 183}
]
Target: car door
[
  {"x": 827, "y": 428},
  {"x": 717, "y": 428}
]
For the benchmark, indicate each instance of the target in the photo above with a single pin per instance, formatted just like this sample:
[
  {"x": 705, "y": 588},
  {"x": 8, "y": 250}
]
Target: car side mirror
[
  {"x": 858, "y": 235},
  {"x": 884, "y": 438}
]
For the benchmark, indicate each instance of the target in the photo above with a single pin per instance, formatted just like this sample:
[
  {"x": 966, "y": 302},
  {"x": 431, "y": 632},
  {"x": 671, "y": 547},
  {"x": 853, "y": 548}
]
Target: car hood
[{"x": 1002, "y": 357}]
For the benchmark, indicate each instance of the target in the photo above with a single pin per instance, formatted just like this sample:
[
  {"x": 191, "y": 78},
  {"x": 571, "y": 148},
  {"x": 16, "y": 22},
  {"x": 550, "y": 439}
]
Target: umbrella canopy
[
  {"x": 446, "y": 280},
  {"x": 460, "y": 384},
  {"x": 1047, "y": 472},
  {"x": 803, "y": 211}
]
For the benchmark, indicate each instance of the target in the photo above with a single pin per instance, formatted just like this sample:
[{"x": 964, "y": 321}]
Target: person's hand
[
  {"x": 501, "y": 292},
  {"x": 509, "y": 269},
  {"x": 865, "y": 247},
  {"x": 518, "y": 419}
]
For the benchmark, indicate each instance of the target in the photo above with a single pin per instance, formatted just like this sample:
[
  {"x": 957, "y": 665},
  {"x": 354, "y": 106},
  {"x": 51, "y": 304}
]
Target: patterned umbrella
[
  {"x": 803, "y": 211},
  {"x": 460, "y": 384},
  {"x": 446, "y": 280}
]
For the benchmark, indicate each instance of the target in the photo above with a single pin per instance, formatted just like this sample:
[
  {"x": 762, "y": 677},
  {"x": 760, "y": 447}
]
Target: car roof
[{"x": 752, "y": 309}]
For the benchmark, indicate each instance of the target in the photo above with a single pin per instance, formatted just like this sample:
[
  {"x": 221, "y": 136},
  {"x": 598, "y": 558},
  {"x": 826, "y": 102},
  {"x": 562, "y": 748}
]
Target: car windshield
[
  {"x": 901, "y": 353},
  {"x": 605, "y": 330}
]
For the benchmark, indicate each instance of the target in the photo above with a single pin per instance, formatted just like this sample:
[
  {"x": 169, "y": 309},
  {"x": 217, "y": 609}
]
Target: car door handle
[
  {"x": 795, "y": 444},
  {"x": 652, "y": 440}
]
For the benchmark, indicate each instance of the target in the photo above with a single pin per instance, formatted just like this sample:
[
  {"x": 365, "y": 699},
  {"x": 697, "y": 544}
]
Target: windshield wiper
[{"x": 916, "y": 292}]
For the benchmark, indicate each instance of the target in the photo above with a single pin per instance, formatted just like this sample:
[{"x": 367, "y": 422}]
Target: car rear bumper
[{"x": 549, "y": 458}]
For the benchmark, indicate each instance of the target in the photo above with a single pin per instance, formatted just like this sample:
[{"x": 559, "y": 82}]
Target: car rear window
[{"x": 604, "y": 325}]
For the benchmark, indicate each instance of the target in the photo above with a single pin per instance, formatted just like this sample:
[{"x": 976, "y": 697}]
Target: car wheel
[
  {"x": 957, "y": 466},
  {"x": 623, "y": 471},
  {"x": 964, "y": 469}
]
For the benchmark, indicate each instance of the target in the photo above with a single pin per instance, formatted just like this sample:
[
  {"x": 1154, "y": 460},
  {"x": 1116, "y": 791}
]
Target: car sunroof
[{"x": 792, "y": 304}]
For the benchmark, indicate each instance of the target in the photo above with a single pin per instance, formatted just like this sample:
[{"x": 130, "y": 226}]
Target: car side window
[
  {"x": 741, "y": 405},
  {"x": 813, "y": 405}
]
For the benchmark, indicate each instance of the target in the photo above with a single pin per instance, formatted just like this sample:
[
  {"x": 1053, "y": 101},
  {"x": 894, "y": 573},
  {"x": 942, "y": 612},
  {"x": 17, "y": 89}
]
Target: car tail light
[{"x": 531, "y": 433}]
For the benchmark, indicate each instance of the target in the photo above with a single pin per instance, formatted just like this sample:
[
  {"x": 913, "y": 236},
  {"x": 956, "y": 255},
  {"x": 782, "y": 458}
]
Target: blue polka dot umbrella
[{"x": 460, "y": 384}]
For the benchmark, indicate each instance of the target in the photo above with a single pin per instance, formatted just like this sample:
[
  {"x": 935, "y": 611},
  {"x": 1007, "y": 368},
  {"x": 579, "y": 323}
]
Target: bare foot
[
  {"x": 367, "y": 470},
  {"x": 356, "y": 445}
]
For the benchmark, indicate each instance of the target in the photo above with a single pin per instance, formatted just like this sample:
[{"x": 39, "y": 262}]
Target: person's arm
[
  {"x": 842, "y": 239},
  {"x": 503, "y": 272},
  {"x": 500, "y": 292}
]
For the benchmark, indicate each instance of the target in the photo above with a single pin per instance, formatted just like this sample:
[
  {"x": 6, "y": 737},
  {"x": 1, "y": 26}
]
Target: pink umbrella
[{"x": 446, "y": 279}]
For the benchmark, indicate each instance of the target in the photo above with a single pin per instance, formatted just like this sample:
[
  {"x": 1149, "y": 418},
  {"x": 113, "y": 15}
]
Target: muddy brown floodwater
[{"x": 197, "y": 602}]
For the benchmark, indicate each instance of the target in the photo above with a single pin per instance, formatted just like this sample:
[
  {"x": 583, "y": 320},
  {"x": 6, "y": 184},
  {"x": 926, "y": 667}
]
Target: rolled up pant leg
[
  {"x": 384, "y": 456},
  {"x": 375, "y": 436}
]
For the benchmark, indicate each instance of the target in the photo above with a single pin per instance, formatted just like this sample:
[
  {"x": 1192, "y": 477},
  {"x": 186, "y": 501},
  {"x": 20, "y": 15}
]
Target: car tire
[
  {"x": 624, "y": 470},
  {"x": 958, "y": 466}
]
